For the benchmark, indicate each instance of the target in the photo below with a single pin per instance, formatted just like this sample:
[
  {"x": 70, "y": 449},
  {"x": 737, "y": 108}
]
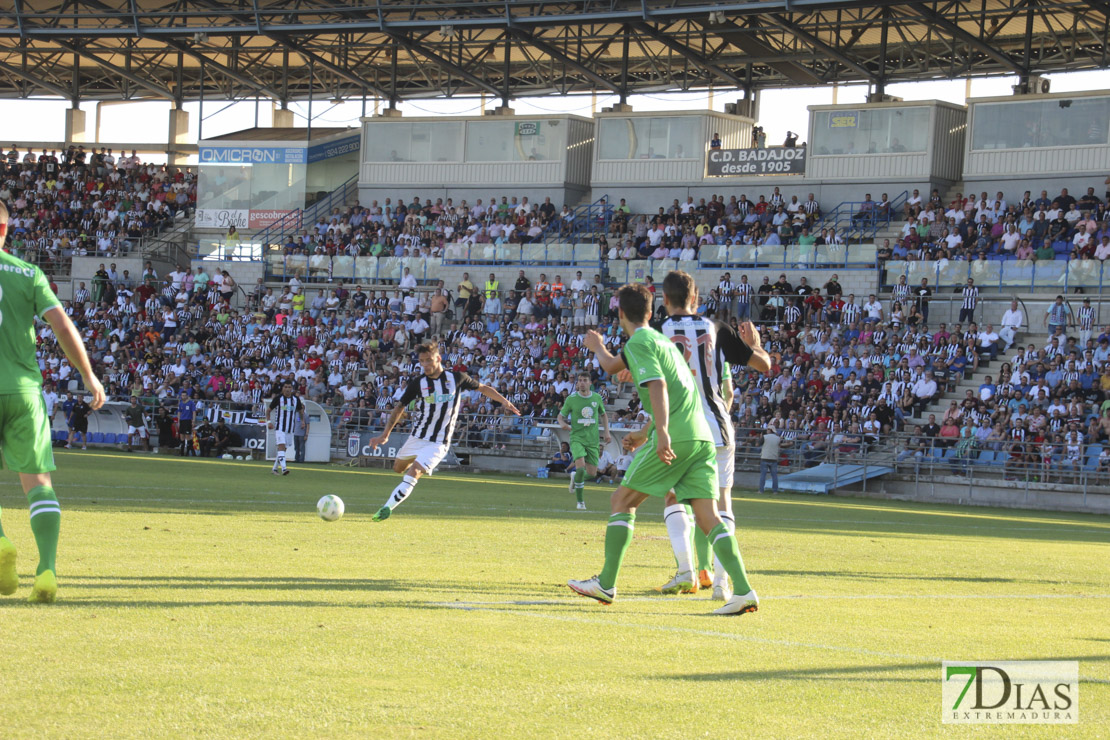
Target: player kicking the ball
[
  {"x": 582, "y": 413},
  {"x": 438, "y": 395},
  {"x": 709, "y": 348},
  {"x": 24, "y": 426},
  {"x": 678, "y": 454},
  {"x": 284, "y": 410}
]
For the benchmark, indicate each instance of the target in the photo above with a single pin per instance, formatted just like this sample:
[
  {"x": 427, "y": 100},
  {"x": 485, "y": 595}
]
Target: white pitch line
[
  {"x": 848, "y": 597},
  {"x": 1074, "y": 528}
]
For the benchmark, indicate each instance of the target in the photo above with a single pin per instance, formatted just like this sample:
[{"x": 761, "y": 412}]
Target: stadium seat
[
  {"x": 96, "y": 438},
  {"x": 1093, "y": 451},
  {"x": 986, "y": 457}
]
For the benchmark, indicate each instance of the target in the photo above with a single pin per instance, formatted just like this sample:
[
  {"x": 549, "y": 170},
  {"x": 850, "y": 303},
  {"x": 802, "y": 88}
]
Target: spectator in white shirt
[
  {"x": 408, "y": 280},
  {"x": 1012, "y": 322},
  {"x": 1011, "y": 239}
]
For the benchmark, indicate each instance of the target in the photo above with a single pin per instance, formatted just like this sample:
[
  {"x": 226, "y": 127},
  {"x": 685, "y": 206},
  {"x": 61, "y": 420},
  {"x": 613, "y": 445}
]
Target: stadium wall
[{"x": 955, "y": 490}]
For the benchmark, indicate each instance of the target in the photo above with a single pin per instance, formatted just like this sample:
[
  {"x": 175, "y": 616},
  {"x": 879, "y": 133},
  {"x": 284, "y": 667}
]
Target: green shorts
[
  {"x": 692, "y": 474},
  {"x": 589, "y": 454},
  {"x": 25, "y": 434}
]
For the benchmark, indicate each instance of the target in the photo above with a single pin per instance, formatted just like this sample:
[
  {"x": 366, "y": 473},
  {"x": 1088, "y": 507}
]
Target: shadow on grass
[
  {"x": 858, "y": 575},
  {"x": 849, "y": 673}
]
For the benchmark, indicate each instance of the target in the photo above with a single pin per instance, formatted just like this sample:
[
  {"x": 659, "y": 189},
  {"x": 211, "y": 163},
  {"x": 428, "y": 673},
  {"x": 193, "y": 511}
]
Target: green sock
[
  {"x": 46, "y": 521},
  {"x": 579, "y": 483},
  {"x": 701, "y": 546},
  {"x": 618, "y": 536},
  {"x": 728, "y": 552}
]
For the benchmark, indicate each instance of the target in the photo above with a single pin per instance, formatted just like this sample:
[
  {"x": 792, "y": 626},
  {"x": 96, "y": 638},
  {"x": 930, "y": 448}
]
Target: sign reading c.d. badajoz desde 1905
[{"x": 775, "y": 160}]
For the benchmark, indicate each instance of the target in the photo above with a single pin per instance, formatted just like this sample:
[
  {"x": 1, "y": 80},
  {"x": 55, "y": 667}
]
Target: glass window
[
  {"x": 874, "y": 131},
  {"x": 278, "y": 186},
  {"x": 1041, "y": 123},
  {"x": 222, "y": 186},
  {"x": 672, "y": 137},
  {"x": 415, "y": 141},
  {"x": 515, "y": 141}
]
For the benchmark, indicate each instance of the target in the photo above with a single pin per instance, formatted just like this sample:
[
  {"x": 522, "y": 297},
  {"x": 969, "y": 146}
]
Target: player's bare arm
[
  {"x": 609, "y": 363},
  {"x": 394, "y": 417},
  {"x": 492, "y": 394},
  {"x": 760, "y": 360},
  {"x": 563, "y": 422},
  {"x": 605, "y": 425},
  {"x": 657, "y": 391},
  {"x": 71, "y": 344}
]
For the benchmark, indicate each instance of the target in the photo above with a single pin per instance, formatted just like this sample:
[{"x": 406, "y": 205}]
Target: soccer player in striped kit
[
  {"x": 709, "y": 348},
  {"x": 438, "y": 395},
  {"x": 284, "y": 410}
]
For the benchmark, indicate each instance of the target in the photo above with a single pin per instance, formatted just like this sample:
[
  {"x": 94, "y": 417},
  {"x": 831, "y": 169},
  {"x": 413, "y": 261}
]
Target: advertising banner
[
  {"x": 775, "y": 160},
  {"x": 221, "y": 218},
  {"x": 262, "y": 219},
  {"x": 358, "y": 445}
]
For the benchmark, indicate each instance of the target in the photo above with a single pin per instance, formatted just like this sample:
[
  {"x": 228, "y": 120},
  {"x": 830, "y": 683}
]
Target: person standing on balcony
[{"x": 971, "y": 300}]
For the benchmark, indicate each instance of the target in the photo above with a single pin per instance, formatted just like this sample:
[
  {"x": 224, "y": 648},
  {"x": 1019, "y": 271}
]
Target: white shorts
[
  {"x": 427, "y": 454},
  {"x": 726, "y": 466},
  {"x": 141, "y": 431},
  {"x": 283, "y": 438}
]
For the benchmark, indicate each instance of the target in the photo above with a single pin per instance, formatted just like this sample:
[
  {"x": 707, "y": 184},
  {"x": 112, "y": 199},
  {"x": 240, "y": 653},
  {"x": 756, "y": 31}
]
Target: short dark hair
[
  {"x": 585, "y": 375},
  {"x": 427, "y": 348},
  {"x": 679, "y": 287},
  {"x": 635, "y": 302}
]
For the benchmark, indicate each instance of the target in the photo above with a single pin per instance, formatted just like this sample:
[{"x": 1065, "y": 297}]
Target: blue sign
[
  {"x": 251, "y": 155},
  {"x": 335, "y": 148},
  {"x": 278, "y": 155}
]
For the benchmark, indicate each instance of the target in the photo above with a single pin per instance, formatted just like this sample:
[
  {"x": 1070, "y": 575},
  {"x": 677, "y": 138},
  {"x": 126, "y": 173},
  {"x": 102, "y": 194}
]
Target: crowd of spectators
[
  {"x": 80, "y": 203},
  {"x": 849, "y": 374},
  {"x": 679, "y": 231},
  {"x": 1031, "y": 228}
]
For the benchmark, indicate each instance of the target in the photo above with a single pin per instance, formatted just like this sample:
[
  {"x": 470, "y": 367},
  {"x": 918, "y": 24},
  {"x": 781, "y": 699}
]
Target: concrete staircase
[{"x": 971, "y": 381}]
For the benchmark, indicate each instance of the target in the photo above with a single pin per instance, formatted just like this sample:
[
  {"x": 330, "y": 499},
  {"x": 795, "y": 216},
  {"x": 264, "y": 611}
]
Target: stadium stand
[{"x": 88, "y": 203}]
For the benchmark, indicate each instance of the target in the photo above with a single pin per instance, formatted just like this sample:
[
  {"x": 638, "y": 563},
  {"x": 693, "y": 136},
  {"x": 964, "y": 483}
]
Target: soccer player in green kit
[
  {"x": 24, "y": 427},
  {"x": 582, "y": 413},
  {"x": 678, "y": 453}
]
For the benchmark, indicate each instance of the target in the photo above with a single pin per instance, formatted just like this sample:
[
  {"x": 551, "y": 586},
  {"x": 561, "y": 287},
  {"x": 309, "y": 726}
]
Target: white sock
[
  {"x": 678, "y": 529},
  {"x": 719, "y": 575},
  {"x": 401, "y": 492},
  {"x": 281, "y": 459}
]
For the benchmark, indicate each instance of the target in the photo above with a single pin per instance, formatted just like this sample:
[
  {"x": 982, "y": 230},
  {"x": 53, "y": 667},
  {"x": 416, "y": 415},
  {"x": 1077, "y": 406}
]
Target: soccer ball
[
  {"x": 240, "y": 457},
  {"x": 227, "y": 456},
  {"x": 330, "y": 508}
]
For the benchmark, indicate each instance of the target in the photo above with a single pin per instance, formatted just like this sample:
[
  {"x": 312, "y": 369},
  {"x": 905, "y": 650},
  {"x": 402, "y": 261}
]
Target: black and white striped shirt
[
  {"x": 971, "y": 297},
  {"x": 744, "y": 293},
  {"x": 437, "y": 404},
  {"x": 707, "y": 345},
  {"x": 1086, "y": 317},
  {"x": 851, "y": 313},
  {"x": 287, "y": 410}
]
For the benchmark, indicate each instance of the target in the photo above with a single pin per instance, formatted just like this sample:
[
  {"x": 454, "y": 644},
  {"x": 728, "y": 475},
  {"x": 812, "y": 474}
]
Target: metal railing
[
  {"x": 852, "y": 223},
  {"x": 587, "y": 220},
  {"x": 838, "y": 256},
  {"x": 521, "y": 254},
  {"x": 1057, "y": 275}
]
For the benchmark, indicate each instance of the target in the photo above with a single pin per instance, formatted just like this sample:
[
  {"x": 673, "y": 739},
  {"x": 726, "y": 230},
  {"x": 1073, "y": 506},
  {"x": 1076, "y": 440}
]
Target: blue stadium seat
[
  {"x": 986, "y": 457},
  {"x": 96, "y": 438},
  {"x": 1093, "y": 451},
  {"x": 121, "y": 439}
]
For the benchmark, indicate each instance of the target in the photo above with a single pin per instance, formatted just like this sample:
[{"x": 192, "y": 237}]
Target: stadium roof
[{"x": 390, "y": 49}]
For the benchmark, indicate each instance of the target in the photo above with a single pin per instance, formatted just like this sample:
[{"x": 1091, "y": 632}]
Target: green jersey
[
  {"x": 24, "y": 294},
  {"x": 584, "y": 415},
  {"x": 650, "y": 355}
]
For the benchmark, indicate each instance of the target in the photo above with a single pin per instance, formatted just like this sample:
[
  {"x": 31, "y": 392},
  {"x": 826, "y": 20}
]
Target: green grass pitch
[{"x": 206, "y": 599}]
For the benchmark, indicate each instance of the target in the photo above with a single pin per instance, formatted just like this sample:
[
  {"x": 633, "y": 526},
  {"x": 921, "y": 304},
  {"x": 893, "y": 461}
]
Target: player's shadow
[
  {"x": 829, "y": 673},
  {"x": 864, "y": 576},
  {"x": 276, "y": 583}
]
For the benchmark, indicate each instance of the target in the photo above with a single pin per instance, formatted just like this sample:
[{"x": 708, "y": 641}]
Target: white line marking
[
  {"x": 846, "y": 597},
  {"x": 468, "y": 607},
  {"x": 1091, "y": 528}
]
